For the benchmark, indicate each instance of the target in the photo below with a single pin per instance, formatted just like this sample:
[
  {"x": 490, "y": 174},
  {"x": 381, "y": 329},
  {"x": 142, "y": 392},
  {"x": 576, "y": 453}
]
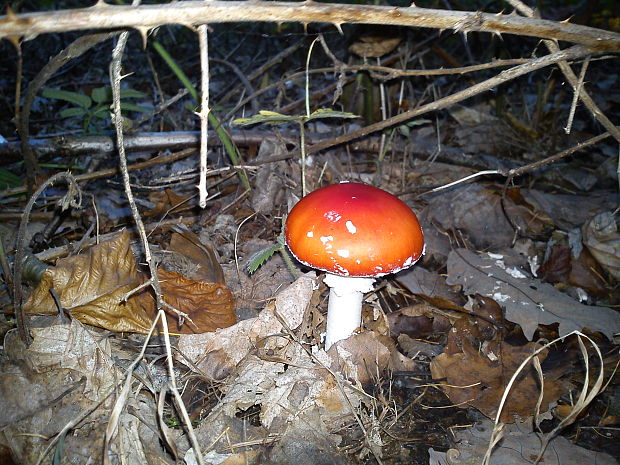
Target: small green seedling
[
  {"x": 274, "y": 119},
  {"x": 94, "y": 108},
  {"x": 257, "y": 259}
]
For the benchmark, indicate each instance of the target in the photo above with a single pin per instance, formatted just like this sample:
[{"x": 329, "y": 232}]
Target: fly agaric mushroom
[{"x": 356, "y": 233}]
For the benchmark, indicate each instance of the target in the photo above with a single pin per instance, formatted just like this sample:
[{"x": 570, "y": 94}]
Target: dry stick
[
  {"x": 573, "y": 106},
  {"x": 389, "y": 73},
  {"x": 571, "y": 53},
  {"x": 572, "y": 78},
  {"x": 117, "y": 119},
  {"x": 74, "y": 50},
  {"x": 194, "y": 13},
  {"x": 514, "y": 172},
  {"x": 162, "y": 106},
  {"x": 244, "y": 80},
  {"x": 574, "y": 81},
  {"x": 113, "y": 171},
  {"x": 203, "y": 40},
  {"x": 73, "y": 198},
  {"x": 553, "y": 158},
  {"x": 262, "y": 69}
]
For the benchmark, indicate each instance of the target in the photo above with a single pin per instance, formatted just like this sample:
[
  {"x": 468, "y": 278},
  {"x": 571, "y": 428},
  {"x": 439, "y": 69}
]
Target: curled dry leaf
[
  {"x": 366, "y": 356},
  {"x": 602, "y": 238},
  {"x": 217, "y": 354},
  {"x": 166, "y": 201},
  {"x": 209, "y": 305},
  {"x": 185, "y": 242},
  {"x": 583, "y": 271},
  {"x": 91, "y": 285},
  {"x": 91, "y": 288},
  {"x": 374, "y": 46}
]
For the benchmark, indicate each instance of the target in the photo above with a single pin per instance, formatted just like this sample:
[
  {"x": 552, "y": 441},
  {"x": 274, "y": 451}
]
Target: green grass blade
[
  {"x": 176, "y": 70},
  {"x": 231, "y": 149}
]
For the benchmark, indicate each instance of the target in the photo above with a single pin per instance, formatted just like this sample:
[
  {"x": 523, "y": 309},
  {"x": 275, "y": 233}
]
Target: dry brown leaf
[
  {"x": 478, "y": 381},
  {"x": 217, "y": 354},
  {"x": 477, "y": 211},
  {"x": 602, "y": 238},
  {"x": 583, "y": 271},
  {"x": 188, "y": 244},
  {"x": 91, "y": 285},
  {"x": 210, "y": 306},
  {"x": 527, "y": 302},
  {"x": 91, "y": 288},
  {"x": 374, "y": 47},
  {"x": 166, "y": 201},
  {"x": 519, "y": 446},
  {"x": 367, "y": 356}
]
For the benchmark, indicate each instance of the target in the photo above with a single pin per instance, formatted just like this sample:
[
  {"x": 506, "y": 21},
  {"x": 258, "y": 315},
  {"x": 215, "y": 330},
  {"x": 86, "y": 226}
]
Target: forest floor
[{"x": 520, "y": 264}]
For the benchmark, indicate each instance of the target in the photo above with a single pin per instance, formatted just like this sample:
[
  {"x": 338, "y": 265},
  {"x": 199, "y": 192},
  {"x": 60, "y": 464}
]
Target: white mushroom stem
[{"x": 344, "y": 310}]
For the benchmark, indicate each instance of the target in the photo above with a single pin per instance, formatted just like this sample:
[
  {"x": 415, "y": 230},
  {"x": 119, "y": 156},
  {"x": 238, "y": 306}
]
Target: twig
[
  {"x": 505, "y": 76},
  {"x": 573, "y": 105},
  {"x": 73, "y": 198},
  {"x": 244, "y": 80},
  {"x": 261, "y": 70},
  {"x": 574, "y": 81},
  {"x": 388, "y": 74},
  {"x": 203, "y": 40},
  {"x": 113, "y": 171}
]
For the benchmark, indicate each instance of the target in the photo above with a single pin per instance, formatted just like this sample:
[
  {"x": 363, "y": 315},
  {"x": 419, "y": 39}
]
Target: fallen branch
[{"x": 193, "y": 13}]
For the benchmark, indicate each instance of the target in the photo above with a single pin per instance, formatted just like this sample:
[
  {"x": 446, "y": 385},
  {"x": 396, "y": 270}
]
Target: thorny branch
[
  {"x": 193, "y": 13},
  {"x": 553, "y": 47}
]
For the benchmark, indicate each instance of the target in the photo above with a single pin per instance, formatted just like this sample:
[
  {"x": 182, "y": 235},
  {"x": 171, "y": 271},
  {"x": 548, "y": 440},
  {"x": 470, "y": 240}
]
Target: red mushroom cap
[{"x": 353, "y": 229}]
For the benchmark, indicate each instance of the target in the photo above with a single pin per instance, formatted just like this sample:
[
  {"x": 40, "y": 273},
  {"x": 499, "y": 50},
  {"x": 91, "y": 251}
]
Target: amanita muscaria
[{"x": 356, "y": 233}]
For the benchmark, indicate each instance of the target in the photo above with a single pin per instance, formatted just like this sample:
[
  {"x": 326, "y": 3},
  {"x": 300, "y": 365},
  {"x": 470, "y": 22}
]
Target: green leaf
[
  {"x": 257, "y": 259},
  {"x": 418, "y": 122},
  {"x": 101, "y": 111},
  {"x": 102, "y": 94},
  {"x": 133, "y": 107},
  {"x": 329, "y": 113},
  {"x": 73, "y": 112},
  {"x": 269, "y": 117},
  {"x": 81, "y": 100},
  {"x": 132, "y": 93},
  {"x": 8, "y": 179}
]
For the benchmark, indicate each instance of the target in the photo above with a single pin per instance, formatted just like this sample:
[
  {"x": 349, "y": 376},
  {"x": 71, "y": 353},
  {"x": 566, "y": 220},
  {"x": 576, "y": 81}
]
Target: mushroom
[{"x": 356, "y": 233}]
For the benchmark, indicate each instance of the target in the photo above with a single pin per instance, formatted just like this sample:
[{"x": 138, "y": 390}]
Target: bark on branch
[{"x": 193, "y": 13}]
